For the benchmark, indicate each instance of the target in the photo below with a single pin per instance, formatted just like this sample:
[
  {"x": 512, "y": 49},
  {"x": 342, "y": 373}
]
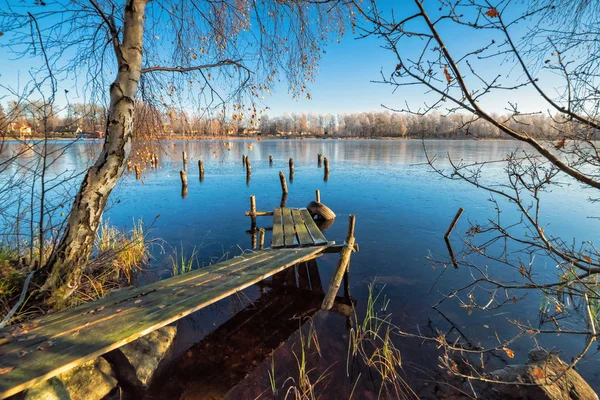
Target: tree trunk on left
[{"x": 71, "y": 256}]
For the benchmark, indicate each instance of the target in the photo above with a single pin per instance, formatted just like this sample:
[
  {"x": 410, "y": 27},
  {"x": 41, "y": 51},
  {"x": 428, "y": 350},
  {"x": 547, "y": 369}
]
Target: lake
[{"x": 402, "y": 211}]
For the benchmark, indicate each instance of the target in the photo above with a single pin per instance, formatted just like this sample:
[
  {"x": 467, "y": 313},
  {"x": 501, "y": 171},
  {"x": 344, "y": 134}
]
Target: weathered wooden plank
[
  {"x": 314, "y": 230},
  {"x": 277, "y": 240},
  {"x": 69, "y": 320},
  {"x": 289, "y": 233},
  {"x": 140, "y": 318},
  {"x": 302, "y": 232}
]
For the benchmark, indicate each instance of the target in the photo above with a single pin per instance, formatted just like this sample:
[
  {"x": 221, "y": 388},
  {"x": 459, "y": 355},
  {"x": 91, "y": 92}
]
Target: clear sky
[{"x": 345, "y": 80}]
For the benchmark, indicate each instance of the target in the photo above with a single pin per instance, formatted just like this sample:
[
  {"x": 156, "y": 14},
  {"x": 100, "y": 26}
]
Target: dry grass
[
  {"x": 304, "y": 387},
  {"x": 182, "y": 264},
  {"x": 126, "y": 252},
  {"x": 371, "y": 345},
  {"x": 119, "y": 255}
]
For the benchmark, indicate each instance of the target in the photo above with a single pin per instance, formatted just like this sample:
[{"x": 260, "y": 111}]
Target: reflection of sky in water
[{"x": 402, "y": 210}]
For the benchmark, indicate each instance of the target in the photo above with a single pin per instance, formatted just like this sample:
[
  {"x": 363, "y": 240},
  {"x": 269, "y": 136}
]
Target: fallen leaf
[
  {"x": 509, "y": 352},
  {"x": 492, "y": 13},
  {"x": 538, "y": 373},
  {"x": 560, "y": 144},
  {"x": 6, "y": 370}
]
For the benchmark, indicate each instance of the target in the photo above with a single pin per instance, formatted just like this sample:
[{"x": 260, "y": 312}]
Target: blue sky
[{"x": 344, "y": 83}]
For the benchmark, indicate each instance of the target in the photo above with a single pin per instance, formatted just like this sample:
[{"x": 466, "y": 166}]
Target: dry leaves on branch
[
  {"x": 509, "y": 352},
  {"x": 447, "y": 74},
  {"x": 492, "y": 13}
]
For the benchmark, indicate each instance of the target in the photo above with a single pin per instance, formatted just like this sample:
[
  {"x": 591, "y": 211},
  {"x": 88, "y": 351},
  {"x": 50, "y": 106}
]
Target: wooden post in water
[
  {"x": 184, "y": 156},
  {"x": 184, "y": 183},
  {"x": 326, "y": 173},
  {"x": 138, "y": 173},
  {"x": 248, "y": 170},
  {"x": 283, "y": 200},
  {"x": 270, "y": 160},
  {"x": 342, "y": 266},
  {"x": 291, "y": 163},
  {"x": 319, "y": 160},
  {"x": 244, "y": 158},
  {"x": 253, "y": 212},
  {"x": 201, "y": 170},
  {"x": 318, "y": 196},
  {"x": 284, "y": 188},
  {"x": 261, "y": 240},
  {"x": 183, "y": 177},
  {"x": 155, "y": 160},
  {"x": 453, "y": 223}
]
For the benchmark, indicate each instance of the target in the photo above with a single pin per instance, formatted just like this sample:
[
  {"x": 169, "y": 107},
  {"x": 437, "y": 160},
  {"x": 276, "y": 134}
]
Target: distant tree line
[
  {"x": 376, "y": 124},
  {"x": 151, "y": 122}
]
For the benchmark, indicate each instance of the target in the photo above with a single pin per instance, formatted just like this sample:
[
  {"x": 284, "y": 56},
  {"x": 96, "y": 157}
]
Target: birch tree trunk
[{"x": 70, "y": 257}]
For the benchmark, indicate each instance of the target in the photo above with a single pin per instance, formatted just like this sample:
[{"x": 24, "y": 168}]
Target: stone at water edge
[
  {"x": 146, "y": 353},
  {"x": 92, "y": 380},
  {"x": 541, "y": 366}
]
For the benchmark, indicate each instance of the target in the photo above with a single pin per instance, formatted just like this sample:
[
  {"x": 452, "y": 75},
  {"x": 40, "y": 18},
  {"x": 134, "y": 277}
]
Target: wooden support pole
[
  {"x": 453, "y": 223},
  {"x": 318, "y": 196},
  {"x": 184, "y": 156},
  {"x": 253, "y": 214},
  {"x": 270, "y": 160},
  {"x": 284, "y": 188},
  {"x": 261, "y": 240},
  {"x": 283, "y": 201},
  {"x": 184, "y": 183},
  {"x": 319, "y": 160},
  {"x": 201, "y": 170},
  {"x": 138, "y": 173},
  {"x": 183, "y": 177},
  {"x": 248, "y": 170},
  {"x": 342, "y": 266}
]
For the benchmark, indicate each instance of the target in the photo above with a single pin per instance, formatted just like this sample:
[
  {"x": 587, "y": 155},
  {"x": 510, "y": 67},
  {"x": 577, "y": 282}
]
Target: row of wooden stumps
[
  {"x": 183, "y": 175},
  {"x": 320, "y": 161}
]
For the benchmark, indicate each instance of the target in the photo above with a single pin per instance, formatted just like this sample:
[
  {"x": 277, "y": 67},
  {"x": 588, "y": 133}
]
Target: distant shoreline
[{"x": 267, "y": 137}]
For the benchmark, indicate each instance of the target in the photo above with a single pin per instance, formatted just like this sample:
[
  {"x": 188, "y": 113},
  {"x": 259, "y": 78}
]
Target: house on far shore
[
  {"x": 248, "y": 131},
  {"x": 21, "y": 128},
  {"x": 91, "y": 135},
  {"x": 68, "y": 130}
]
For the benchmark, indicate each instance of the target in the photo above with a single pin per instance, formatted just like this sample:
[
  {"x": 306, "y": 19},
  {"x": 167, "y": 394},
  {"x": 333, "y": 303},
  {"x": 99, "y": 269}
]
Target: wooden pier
[{"x": 35, "y": 351}]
